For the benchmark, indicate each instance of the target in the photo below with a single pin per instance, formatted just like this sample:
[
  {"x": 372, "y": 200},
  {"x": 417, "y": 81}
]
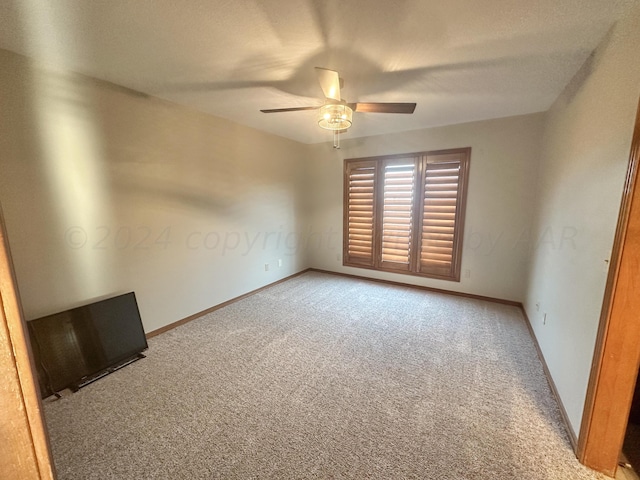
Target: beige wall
[
  {"x": 585, "y": 152},
  {"x": 500, "y": 200},
  {"x": 106, "y": 190}
]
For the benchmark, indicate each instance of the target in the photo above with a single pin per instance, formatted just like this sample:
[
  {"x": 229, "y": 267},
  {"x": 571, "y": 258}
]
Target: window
[{"x": 405, "y": 213}]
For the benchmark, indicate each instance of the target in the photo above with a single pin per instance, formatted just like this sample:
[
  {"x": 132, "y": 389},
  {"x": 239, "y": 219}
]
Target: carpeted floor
[{"x": 324, "y": 377}]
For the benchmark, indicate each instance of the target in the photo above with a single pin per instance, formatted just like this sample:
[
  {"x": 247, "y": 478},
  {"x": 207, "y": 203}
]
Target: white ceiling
[{"x": 460, "y": 60}]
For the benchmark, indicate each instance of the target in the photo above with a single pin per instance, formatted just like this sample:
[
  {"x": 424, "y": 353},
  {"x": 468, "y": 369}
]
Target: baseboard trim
[
  {"x": 547, "y": 373},
  {"x": 178, "y": 323},
  {"x": 421, "y": 287}
]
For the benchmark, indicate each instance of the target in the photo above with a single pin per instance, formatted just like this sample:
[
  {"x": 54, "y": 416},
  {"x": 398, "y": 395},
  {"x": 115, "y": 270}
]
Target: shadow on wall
[
  {"x": 54, "y": 148},
  {"x": 172, "y": 194}
]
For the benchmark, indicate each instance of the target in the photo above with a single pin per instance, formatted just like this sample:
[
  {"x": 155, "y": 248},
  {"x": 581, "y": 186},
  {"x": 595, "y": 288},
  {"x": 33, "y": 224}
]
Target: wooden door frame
[
  {"x": 28, "y": 454},
  {"x": 617, "y": 352}
]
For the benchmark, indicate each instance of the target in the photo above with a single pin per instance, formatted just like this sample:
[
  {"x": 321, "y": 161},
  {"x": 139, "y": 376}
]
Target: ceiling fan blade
[
  {"x": 329, "y": 82},
  {"x": 383, "y": 107},
  {"x": 293, "y": 109}
]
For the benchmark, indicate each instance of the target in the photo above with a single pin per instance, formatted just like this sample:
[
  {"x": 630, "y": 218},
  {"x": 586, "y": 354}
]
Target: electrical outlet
[
  {"x": 279, "y": 262},
  {"x": 544, "y": 319},
  {"x": 338, "y": 257},
  {"x": 467, "y": 273},
  {"x": 266, "y": 267}
]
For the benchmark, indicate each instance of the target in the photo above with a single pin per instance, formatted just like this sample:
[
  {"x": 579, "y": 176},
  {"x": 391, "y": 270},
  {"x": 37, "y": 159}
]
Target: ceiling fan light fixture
[{"x": 335, "y": 117}]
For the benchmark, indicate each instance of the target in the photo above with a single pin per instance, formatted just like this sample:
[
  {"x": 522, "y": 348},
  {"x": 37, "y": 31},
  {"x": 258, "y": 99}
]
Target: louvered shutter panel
[
  {"x": 398, "y": 196},
  {"x": 441, "y": 209},
  {"x": 405, "y": 213},
  {"x": 360, "y": 183}
]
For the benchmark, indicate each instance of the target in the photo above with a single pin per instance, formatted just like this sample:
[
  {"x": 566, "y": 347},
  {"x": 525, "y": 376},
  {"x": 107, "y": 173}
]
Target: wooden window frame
[{"x": 413, "y": 267}]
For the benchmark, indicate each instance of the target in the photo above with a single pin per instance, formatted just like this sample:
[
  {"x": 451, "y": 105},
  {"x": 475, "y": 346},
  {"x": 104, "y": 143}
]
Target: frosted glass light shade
[{"x": 335, "y": 117}]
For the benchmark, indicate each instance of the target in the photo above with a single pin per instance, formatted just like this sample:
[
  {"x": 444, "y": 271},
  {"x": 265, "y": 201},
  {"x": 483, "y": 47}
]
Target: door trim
[
  {"x": 28, "y": 439},
  {"x": 617, "y": 351}
]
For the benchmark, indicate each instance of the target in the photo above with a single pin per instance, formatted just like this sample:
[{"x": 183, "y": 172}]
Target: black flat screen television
[{"x": 75, "y": 347}]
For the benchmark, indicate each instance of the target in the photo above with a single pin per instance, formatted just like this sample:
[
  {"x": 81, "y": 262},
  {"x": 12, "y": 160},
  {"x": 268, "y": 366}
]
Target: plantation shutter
[
  {"x": 405, "y": 213},
  {"x": 441, "y": 211},
  {"x": 360, "y": 183},
  {"x": 398, "y": 198}
]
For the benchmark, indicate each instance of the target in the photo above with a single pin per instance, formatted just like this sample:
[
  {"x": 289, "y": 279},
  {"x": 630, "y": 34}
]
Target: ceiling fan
[{"x": 336, "y": 114}]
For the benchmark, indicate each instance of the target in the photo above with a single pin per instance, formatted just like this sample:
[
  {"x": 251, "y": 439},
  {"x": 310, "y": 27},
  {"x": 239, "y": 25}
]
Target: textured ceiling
[{"x": 460, "y": 60}]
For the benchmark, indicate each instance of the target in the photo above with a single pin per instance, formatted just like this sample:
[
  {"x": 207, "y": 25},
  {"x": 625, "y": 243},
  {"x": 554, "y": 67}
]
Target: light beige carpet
[{"x": 324, "y": 377}]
